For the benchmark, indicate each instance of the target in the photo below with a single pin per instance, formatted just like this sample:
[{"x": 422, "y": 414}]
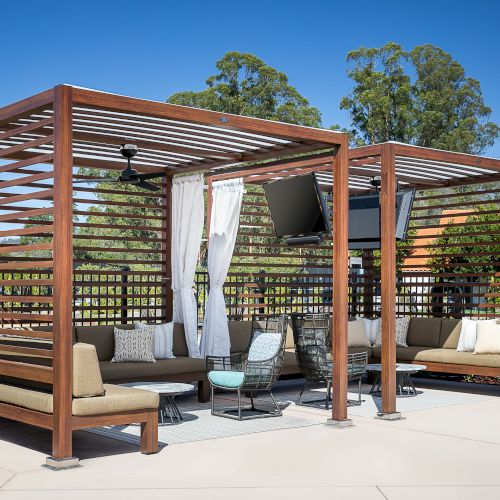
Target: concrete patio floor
[{"x": 448, "y": 452}]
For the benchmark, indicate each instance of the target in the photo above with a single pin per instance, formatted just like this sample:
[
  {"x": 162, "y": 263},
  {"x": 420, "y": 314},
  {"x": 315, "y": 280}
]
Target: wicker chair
[
  {"x": 312, "y": 339},
  {"x": 255, "y": 370}
]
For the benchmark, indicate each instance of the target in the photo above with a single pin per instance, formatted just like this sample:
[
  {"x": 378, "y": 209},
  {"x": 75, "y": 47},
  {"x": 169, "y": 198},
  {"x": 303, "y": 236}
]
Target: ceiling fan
[{"x": 129, "y": 175}]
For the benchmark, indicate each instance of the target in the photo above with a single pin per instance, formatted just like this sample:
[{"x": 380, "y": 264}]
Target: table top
[
  {"x": 171, "y": 388},
  {"x": 400, "y": 367}
]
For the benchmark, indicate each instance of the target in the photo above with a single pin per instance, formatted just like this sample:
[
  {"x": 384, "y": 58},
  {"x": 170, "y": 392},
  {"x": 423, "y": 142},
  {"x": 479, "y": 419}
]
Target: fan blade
[
  {"x": 89, "y": 181},
  {"x": 147, "y": 185},
  {"x": 152, "y": 175}
]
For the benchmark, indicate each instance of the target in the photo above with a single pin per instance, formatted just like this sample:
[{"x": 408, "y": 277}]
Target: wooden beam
[
  {"x": 26, "y": 107},
  {"x": 340, "y": 283},
  {"x": 63, "y": 272},
  {"x": 223, "y": 121},
  {"x": 388, "y": 278},
  {"x": 26, "y": 371}
]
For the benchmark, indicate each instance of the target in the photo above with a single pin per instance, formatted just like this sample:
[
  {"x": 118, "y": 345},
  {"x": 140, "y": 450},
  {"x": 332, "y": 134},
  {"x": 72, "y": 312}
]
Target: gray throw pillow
[{"x": 134, "y": 346}]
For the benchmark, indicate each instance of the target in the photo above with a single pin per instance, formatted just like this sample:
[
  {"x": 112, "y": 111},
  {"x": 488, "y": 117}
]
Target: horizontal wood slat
[
  {"x": 26, "y": 371},
  {"x": 34, "y": 334},
  {"x": 23, "y": 351}
]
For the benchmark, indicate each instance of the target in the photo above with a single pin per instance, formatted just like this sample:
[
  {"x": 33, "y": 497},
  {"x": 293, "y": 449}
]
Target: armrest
[{"x": 234, "y": 362}]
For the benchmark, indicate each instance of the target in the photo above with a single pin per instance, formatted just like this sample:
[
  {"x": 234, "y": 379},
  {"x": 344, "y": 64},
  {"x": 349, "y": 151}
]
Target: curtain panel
[
  {"x": 187, "y": 228},
  {"x": 224, "y": 220}
]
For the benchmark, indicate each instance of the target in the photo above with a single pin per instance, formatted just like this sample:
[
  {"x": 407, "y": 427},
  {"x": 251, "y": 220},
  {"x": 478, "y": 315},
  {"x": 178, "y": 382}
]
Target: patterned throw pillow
[
  {"x": 264, "y": 346},
  {"x": 134, "y": 346},
  {"x": 402, "y": 325},
  {"x": 163, "y": 339}
]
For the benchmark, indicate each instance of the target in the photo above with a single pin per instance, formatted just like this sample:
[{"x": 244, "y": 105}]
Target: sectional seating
[{"x": 433, "y": 342}]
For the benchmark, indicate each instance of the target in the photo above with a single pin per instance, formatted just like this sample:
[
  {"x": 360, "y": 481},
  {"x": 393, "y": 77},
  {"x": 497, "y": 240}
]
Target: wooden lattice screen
[{"x": 449, "y": 266}]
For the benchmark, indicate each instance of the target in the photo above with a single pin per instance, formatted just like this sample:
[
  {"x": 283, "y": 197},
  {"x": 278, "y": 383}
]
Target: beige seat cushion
[
  {"x": 87, "y": 379},
  {"x": 117, "y": 399},
  {"x": 450, "y": 333},
  {"x": 27, "y": 398},
  {"x": 161, "y": 369},
  {"x": 488, "y": 338},
  {"x": 424, "y": 332},
  {"x": 290, "y": 359},
  {"x": 239, "y": 335},
  {"x": 440, "y": 355},
  {"x": 356, "y": 334}
]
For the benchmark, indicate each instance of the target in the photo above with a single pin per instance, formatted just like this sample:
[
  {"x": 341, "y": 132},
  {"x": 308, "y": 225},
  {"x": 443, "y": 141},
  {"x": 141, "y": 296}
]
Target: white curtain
[
  {"x": 187, "y": 228},
  {"x": 226, "y": 206}
]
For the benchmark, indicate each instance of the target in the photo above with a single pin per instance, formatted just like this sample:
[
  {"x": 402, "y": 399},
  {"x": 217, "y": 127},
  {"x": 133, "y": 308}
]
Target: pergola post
[
  {"x": 167, "y": 246},
  {"x": 388, "y": 282},
  {"x": 63, "y": 280},
  {"x": 340, "y": 286}
]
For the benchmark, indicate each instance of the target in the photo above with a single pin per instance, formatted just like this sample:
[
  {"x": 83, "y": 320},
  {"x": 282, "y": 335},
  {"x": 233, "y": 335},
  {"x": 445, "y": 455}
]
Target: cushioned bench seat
[
  {"x": 116, "y": 399},
  {"x": 440, "y": 355}
]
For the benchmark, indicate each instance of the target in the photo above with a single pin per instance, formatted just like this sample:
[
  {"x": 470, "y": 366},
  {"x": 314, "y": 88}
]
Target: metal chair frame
[
  {"x": 312, "y": 345},
  {"x": 259, "y": 376}
]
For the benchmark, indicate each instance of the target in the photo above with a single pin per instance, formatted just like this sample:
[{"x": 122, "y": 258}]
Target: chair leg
[
  {"x": 239, "y": 405},
  {"x": 301, "y": 393},
  {"x": 203, "y": 390},
  {"x": 278, "y": 409},
  {"x": 328, "y": 395},
  {"x": 149, "y": 433},
  {"x": 251, "y": 399},
  {"x": 359, "y": 392},
  {"x": 212, "y": 402}
]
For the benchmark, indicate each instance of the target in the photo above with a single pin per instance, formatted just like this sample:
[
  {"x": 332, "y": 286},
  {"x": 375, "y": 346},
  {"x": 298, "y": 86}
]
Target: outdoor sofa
[
  {"x": 431, "y": 341},
  {"x": 94, "y": 403}
]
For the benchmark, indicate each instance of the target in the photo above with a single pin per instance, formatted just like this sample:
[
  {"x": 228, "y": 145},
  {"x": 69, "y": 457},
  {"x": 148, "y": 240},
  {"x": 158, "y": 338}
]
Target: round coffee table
[
  {"x": 404, "y": 383},
  {"x": 167, "y": 392}
]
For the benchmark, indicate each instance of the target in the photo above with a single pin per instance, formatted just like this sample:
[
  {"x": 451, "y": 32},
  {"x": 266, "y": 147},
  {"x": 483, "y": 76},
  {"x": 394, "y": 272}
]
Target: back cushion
[
  {"x": 102, "y": 337},
  {"x": 450, "y": 333},
  {"x": 239, "y": 335},
  {"x": 424, "y": 332},
  {"x": 179, "y": 346},
  {"x": 87, "y": 380}
]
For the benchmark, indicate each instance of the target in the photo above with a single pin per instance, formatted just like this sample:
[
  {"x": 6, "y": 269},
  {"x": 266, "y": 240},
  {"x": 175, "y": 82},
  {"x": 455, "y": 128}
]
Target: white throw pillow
[
  {"x": 371, "y": 326},
  {"x": 163, "y": 339},
  {"x": 468, "y": 334},
  {"x": 356, "y": 333},
  {"x": 134, "y": 346},
  {"x": 402, "y": 325},
  {"x": 488, "y": 338}
]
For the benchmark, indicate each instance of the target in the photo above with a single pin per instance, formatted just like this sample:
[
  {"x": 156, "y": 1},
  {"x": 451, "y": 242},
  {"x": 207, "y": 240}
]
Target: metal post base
[
  {"x": 390, "y": 416},
  {"x": 339, "y": 424},
  {"x": 61, "y": 463}
]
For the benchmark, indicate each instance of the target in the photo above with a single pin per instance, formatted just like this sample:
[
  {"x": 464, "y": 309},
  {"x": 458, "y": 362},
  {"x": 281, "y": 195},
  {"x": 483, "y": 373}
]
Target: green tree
[
  {"x": 438, "y": 107},
  {"x": 246, "y": 85}
]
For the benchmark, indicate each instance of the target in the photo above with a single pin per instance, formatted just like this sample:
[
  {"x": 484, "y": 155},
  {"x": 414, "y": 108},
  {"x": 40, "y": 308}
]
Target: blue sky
[{"x": 152, "y": 49}]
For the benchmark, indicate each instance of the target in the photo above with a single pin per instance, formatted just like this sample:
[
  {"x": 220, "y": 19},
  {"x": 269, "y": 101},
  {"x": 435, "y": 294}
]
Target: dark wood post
[
  {"x": 63, "y": 274},
  {"x": 368, "y": 283},
  {"x": 167, "y": 246},
  {"x": 388, "y": 282},
  {"x": 340, "y": 286}
]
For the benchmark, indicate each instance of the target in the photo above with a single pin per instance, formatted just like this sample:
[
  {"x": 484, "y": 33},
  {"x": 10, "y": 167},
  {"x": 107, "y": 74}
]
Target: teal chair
[{"x": 253, "y": 371}]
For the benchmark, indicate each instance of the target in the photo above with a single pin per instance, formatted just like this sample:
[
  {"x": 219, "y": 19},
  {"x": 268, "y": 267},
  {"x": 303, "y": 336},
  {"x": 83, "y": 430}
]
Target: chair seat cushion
[
  {"x": 228, "y": 379},
  {"x": 116, "y": 399}
]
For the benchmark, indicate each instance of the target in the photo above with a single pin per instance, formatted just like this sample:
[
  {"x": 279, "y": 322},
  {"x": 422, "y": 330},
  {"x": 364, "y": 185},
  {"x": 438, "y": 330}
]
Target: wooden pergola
[
  {"x": 398, "y": 164},
  {"x": 46, "y": 137}
]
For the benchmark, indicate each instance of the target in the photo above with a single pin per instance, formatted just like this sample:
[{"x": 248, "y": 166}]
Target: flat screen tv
[
  {"x": 297, "y": 206},
  {"x": 364, "y": 219}
]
